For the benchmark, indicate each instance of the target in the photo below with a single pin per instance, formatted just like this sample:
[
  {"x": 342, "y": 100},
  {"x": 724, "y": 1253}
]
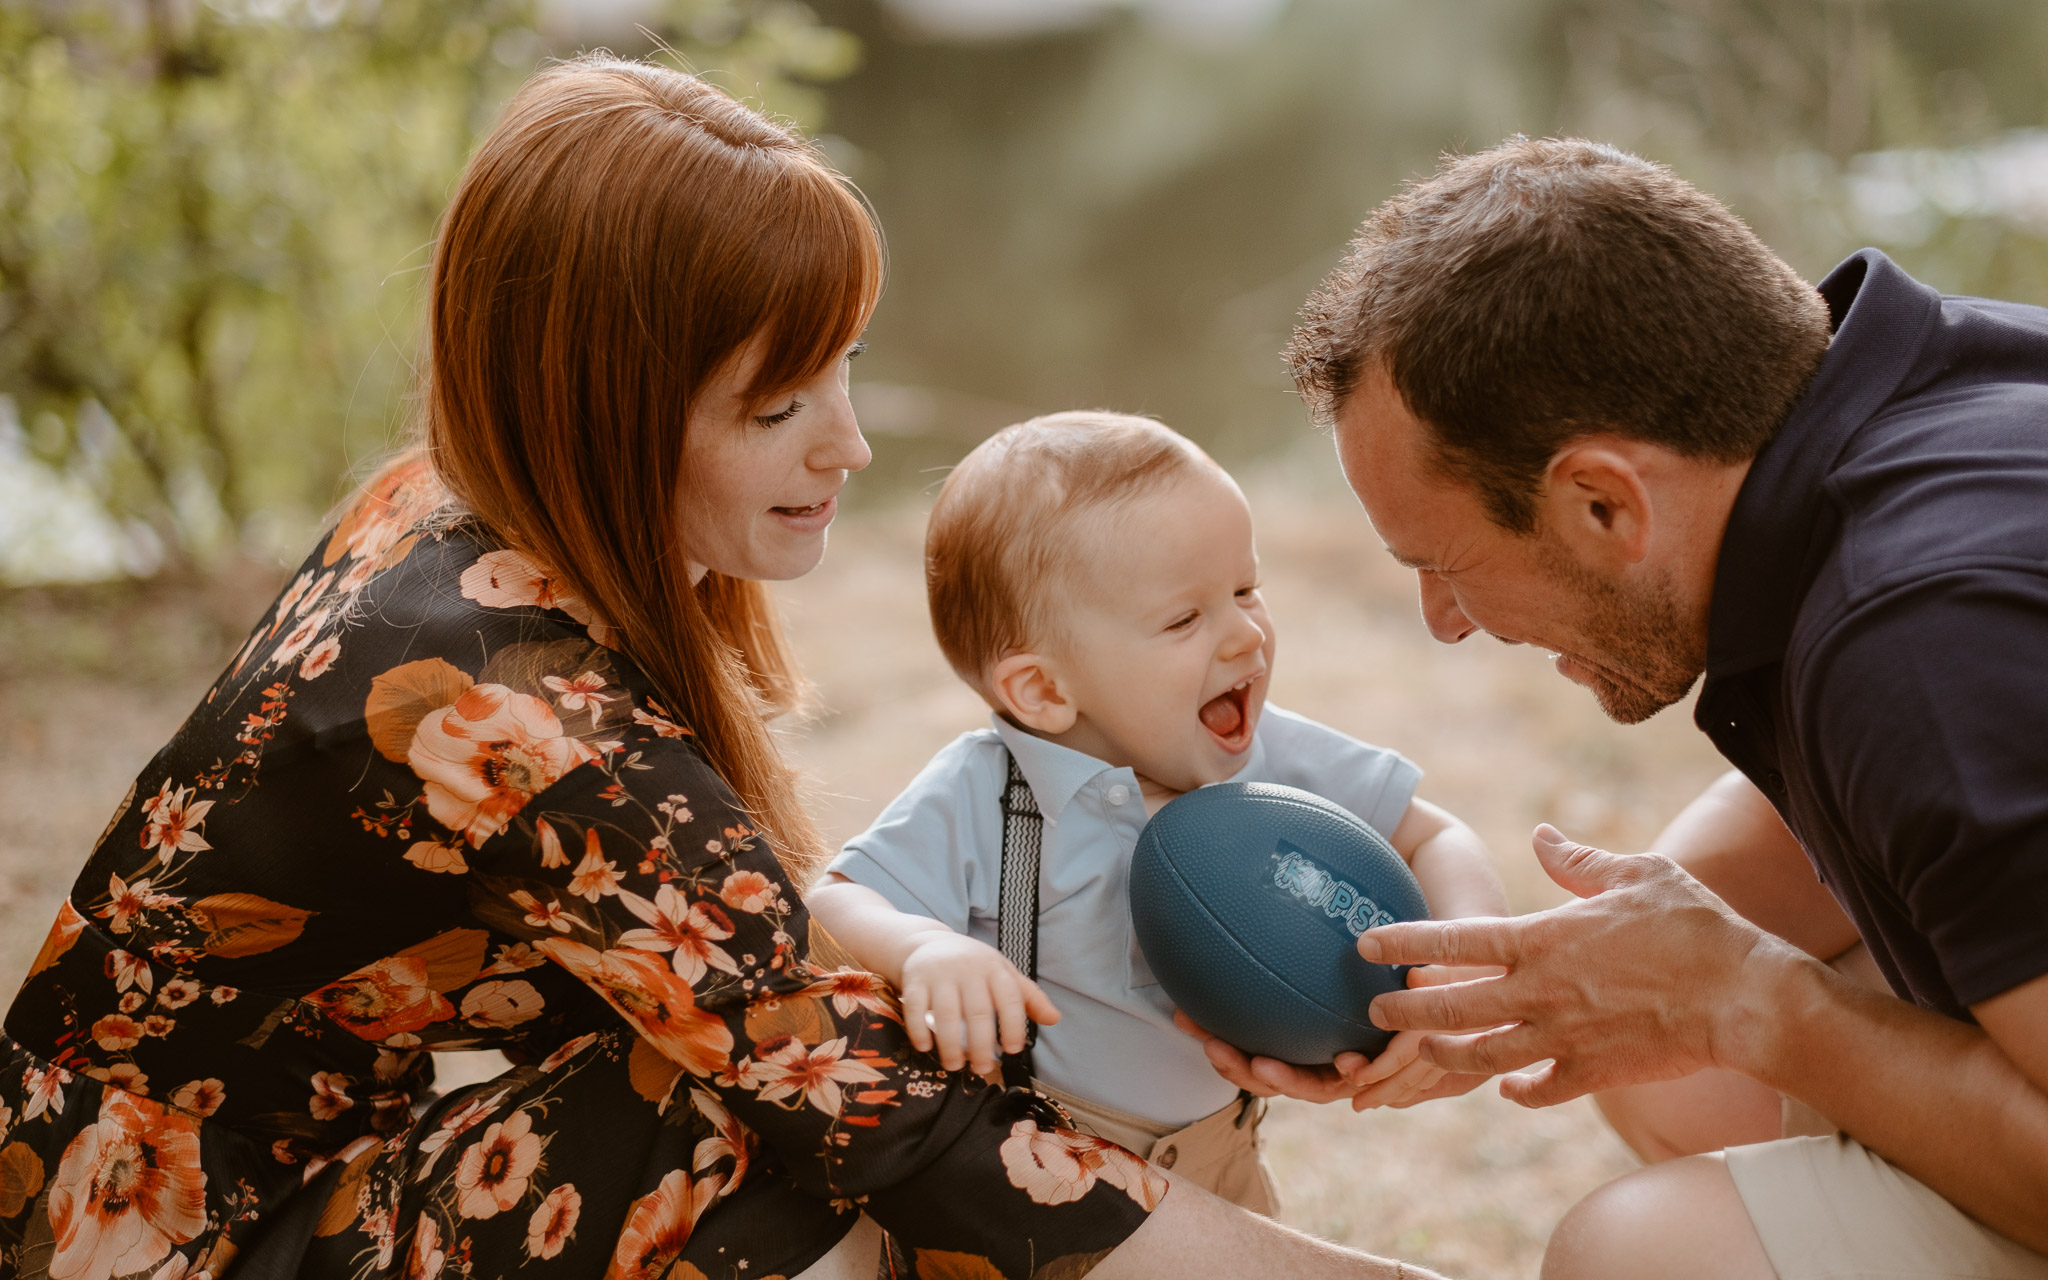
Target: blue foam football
[{"x": 1248, "y": 899}]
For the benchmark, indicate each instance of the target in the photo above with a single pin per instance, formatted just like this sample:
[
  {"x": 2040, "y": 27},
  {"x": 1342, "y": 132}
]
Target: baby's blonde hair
[{"x": 1009, "y": 528}]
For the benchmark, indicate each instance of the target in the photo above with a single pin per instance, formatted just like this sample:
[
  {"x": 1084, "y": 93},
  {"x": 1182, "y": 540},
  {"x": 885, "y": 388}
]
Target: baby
[{"x": 1093, "y": 577}]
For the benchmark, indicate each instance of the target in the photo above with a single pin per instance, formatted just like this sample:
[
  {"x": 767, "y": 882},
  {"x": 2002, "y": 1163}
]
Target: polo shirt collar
[
  {"x": 1056, "y": 773},
  {"x": 1782, "y": 523}
]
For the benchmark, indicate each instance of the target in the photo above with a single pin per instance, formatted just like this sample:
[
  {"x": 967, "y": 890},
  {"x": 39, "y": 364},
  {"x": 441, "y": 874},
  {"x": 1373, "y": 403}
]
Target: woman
[{"x": 495, "y": 771}]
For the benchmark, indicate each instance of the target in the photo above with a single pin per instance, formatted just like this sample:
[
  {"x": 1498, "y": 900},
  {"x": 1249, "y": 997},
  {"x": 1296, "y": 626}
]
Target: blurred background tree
[
  {"x": 213, "y": 217},
  {"x": 214, "y": 213}
]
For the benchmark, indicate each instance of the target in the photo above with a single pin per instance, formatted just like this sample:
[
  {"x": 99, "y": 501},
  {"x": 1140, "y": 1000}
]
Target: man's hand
[{"x": 1634, "y": 983}]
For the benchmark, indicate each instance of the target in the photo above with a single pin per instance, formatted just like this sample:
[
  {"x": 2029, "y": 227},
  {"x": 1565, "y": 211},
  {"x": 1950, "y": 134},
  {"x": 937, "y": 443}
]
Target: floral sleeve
[{"x": 636, "y": 873}]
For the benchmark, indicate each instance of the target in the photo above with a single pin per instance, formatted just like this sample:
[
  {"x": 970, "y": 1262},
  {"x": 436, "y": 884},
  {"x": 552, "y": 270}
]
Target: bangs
[{"x": 826, "y": 278}]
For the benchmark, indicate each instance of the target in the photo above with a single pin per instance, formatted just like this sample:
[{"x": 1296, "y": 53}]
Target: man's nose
[{"x": 1440, "y": 611}]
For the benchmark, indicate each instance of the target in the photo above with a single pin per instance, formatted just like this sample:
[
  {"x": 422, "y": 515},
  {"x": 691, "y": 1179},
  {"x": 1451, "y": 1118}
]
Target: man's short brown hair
[
  {"x": 1547, "y": 290},
  {"x": 1011, "y": 526}
]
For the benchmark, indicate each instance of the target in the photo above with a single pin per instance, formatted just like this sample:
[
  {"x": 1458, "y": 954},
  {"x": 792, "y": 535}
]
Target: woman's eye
[
  {"x": 856, "y": 349},
  {"x": 777, "y": 419}
]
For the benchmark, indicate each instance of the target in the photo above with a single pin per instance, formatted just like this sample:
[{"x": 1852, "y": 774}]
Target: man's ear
[
  {"x": 1027, "y": 689},
  {"x": 1595, "y": 499}
]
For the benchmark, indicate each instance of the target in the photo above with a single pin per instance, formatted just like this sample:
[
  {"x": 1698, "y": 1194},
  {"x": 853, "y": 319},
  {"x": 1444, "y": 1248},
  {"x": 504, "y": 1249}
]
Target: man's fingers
[
  {"x": 1484, "y": 1053},
  {"x": 1546, "y": 1086},
  {"x": 1581, "y": 868},
  {"x": 1471, "y": 940},
  {"x": 1460, "y": 1006}
]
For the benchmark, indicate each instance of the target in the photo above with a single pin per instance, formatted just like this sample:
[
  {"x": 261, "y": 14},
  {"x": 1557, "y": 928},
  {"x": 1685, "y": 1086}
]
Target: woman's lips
[{"x": 807, "y": 519}]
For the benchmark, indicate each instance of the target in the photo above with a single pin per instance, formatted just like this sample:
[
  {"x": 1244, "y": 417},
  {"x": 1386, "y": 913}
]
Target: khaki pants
[{"x": 1220, "y": 1153}]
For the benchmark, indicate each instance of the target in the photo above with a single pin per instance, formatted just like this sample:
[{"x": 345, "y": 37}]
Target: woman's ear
[{"x": 1026, "y": 688}]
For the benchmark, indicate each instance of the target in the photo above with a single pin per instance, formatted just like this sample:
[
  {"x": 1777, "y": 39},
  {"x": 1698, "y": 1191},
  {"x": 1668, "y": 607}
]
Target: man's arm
[
  {"x": 1730, "y": 839},
  {"x": 1652, "y": 977}
]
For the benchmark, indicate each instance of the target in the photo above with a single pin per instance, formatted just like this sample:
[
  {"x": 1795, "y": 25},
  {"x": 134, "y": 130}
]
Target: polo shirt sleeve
[
  {"x": 936, "y": 850},
  {"x": 1924, "y": 714},
  {"x": 1372, "y": 782}
]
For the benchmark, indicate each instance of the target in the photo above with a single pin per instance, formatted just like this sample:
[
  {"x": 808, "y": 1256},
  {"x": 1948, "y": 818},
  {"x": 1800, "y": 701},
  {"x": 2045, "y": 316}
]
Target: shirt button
[{"x": 1118, "y": 794}]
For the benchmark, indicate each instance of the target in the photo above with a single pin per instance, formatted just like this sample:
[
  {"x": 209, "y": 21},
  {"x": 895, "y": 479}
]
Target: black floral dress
[{"x": 425, "y": 809}]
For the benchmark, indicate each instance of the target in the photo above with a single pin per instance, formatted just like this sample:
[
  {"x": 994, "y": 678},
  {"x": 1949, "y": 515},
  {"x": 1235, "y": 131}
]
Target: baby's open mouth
[{"x": 1225, "y": 715}]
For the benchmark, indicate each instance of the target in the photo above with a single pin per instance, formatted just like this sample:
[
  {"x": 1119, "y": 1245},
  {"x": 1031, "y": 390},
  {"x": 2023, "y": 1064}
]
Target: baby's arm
[
  {"x": 1451, "y": 864},
  {"x": 958, "y": 992}
]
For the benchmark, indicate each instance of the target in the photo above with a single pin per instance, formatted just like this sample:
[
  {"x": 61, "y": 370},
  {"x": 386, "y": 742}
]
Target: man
[{"x": 1595, "y": 414}]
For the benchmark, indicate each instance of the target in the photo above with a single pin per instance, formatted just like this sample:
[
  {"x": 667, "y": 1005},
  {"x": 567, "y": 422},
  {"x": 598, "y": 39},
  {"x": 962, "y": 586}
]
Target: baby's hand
[
  {"x": 1400, "y": 1077},
  {"x": 966, "y": 996}
]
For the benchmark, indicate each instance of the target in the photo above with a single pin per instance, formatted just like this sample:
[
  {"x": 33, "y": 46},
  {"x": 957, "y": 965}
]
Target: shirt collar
[
  {"x": 1782, "y": 524},
  {"x": 1056, "y": 774}
]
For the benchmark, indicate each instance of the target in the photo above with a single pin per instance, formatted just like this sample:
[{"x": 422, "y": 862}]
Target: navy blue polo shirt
[{"x": 1877, "y": 656}]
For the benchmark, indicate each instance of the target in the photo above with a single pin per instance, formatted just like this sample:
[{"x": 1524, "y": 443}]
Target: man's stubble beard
[{"x": 1648, "y": 655}]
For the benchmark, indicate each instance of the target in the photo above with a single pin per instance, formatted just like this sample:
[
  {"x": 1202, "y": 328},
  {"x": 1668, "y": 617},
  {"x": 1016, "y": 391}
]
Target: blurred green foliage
[{"x": 214, "y": 218}]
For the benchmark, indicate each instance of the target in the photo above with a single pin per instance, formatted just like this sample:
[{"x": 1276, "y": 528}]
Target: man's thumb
[{"x": 1578, "y": 867}]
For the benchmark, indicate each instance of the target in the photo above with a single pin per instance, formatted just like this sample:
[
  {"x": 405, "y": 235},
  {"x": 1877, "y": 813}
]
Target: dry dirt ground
[{"x": 1470, "y": 1186}]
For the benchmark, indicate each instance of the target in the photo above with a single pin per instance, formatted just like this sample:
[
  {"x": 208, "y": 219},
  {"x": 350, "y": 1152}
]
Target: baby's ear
[{"x": 1026, "y": 688}]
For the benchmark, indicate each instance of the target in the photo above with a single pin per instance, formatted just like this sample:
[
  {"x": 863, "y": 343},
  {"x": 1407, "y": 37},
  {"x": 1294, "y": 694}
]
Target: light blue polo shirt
[{"x": 937, "y": 851}]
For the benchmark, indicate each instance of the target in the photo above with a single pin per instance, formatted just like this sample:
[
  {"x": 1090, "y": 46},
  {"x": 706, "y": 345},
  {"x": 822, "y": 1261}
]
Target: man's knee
[{"x": 1678, "y": 1221}]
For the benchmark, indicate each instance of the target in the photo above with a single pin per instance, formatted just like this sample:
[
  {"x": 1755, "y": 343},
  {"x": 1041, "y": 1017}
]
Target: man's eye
[{"x": 777, "y": 419}]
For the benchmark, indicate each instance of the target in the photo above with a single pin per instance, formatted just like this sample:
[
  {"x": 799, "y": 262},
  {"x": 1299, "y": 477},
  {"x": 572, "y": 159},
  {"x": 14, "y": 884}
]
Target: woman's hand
[{"x": 965, "y": 996}]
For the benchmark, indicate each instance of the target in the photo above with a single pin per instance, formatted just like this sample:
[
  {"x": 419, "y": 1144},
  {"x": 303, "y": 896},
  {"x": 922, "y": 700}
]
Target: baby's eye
[
  {"x": 777, "y": 419},
  {"x": 1183, "y": 622},
  {"x": 1246, "y": 593}
]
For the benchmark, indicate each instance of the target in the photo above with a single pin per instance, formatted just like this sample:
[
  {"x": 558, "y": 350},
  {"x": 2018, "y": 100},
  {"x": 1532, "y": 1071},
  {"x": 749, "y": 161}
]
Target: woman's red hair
[{"x": 616, "y": 241}]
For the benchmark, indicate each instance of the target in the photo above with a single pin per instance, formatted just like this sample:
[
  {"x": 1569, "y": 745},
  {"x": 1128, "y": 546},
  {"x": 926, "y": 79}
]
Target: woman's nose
[
  {"x": 1440, "y": 611},
  {"x": 840, "y": 446}
]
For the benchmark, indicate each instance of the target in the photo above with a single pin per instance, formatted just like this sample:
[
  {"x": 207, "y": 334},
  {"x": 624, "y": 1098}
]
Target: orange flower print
[
  {"x": 491, "y": 1176},
  {"x": 320, "y": 658},
  {"x": 660, "y": 1225},
  {"x": 1055, "y": 1166},
  {"x": 200, "y": 1097},
  {"x": 581, "y": 694},
  {"x": 126, "y": 901},
  {"x": 685, "y": 928},
  {"x": 44, "y": 1087},
  {"x": 172, "y": 822},
  {"x": 427, "y": 1256},
  {"x": 595, "y": 876},
  {"x": 542, "y": 915},
  {"x": 129, "y": 970},
  {"x": 551, "y": 854},
  {"x": 567, "y": 1051},
  {"x": 330, "y": 1095},
  {"x": 748, "y": 891},
  {"x": 553, "y": 1222},
  {"x": 129, "y": 1187},
  {"x": 853, "y": 989},
  {"x": 658, "y": 1004},
  {"x": 732, "y": 1139},
  {"x": 298, "y": 638},
  {"x": 501, "y": 1004},
  {"x": 790, "y": 1069},
  {"x": 116, "y": 1031},
  {"x": 453, "y": 1125},
  {"x": 443, "y": 857},
  {"x": 486, "y": 755},
  {"x": 508, "y": 580},
  {"x": 663, "y": 726},
  {"x": 123, "y": 1075},
  {"x": 177, "y": 993},
  {"x": 383, "y": 1000}
]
